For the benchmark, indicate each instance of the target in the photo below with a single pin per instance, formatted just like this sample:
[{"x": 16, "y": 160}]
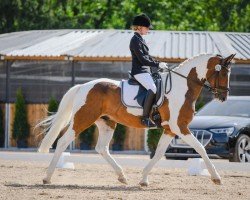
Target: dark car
[{"x": 223, "y": 129}]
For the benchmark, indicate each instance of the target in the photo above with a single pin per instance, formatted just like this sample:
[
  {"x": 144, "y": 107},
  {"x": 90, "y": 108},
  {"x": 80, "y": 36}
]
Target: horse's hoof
[
  {"x": 46, "y": 181},
  {"x": 144, "y": 184},
  {"x": 123, "y": 180},
  {"x": 217, "y": 181}
]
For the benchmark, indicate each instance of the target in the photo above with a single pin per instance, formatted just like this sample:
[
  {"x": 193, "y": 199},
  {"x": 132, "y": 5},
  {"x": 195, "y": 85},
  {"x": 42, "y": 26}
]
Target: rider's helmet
[{"x": 142, "y": 20}]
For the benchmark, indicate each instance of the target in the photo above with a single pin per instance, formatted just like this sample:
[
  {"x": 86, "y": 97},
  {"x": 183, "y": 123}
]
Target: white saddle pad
[{"x": 129, "y": 92}]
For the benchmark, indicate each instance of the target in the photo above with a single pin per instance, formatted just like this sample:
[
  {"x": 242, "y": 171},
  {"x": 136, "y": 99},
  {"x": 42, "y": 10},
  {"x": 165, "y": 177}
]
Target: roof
[
  {"x": 239, "y": 98},
  {"x": 113, "y": 45}
]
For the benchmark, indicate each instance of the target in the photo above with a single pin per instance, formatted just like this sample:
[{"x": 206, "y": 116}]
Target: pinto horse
[{"x": 99, "y": 102}]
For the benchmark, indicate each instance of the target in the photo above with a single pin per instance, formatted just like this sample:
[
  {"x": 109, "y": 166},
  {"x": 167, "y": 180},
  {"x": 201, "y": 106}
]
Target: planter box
[
  {"x": 22, "y": 144},
  {"x": 84, "y": 146},
  {"x": 117, "y": 147}
]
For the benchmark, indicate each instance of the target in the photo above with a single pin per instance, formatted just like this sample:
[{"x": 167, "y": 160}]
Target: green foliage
[
  {"x": 200, "y": 15},
  {"x": 1, "y": 129},
  {"x": 53, "y": 106},
  {"x": 87, "y": 135},
  {"x": 153, "y": 138},
  {"x": 200, "y": 103},
  {"x": 119, "y": 134},
  {"x": 20, "y": 126}
]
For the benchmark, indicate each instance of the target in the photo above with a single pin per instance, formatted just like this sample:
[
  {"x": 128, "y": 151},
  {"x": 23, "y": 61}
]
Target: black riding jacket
[{"x": 141, "y": 60}]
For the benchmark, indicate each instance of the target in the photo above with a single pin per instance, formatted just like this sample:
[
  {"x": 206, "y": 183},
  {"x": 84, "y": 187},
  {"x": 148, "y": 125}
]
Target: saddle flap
[{"x": 133, "y": 95}]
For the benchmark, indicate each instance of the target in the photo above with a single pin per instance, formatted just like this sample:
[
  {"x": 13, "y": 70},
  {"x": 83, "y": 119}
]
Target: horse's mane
[{"x": 188, "y": 61}]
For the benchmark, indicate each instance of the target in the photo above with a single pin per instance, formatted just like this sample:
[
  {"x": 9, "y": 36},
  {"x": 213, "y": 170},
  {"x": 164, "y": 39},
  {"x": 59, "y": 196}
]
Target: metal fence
[{"x": 42, "y": 80}]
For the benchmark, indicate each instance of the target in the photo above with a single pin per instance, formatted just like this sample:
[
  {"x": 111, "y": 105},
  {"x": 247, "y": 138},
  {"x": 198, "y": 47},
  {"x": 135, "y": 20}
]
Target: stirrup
[{"x": 147, "y": 122}]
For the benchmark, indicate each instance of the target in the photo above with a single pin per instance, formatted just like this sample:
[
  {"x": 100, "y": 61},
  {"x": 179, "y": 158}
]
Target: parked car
[{"x": 223, "y": 129}]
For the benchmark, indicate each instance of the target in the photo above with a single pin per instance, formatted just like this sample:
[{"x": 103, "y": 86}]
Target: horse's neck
[
  {"x": 199, "y": 62},
  {"x": 199, "y": 66}
]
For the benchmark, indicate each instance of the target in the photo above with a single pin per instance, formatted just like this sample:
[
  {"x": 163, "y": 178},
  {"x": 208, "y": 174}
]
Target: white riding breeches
[{"x": 146, "y": 80}]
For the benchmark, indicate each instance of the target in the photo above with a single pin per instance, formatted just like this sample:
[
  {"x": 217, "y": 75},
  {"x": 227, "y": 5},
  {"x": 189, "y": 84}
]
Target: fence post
[
  {"x": 72, "y": 144},
  {"x": 7, "y": 104}
]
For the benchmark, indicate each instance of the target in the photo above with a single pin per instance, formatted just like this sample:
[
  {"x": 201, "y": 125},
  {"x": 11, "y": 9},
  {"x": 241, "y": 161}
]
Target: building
[{"x": 48, "y": 62}]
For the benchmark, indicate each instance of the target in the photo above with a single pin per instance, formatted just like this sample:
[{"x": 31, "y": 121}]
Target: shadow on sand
[{"x": 82, "y": 187}]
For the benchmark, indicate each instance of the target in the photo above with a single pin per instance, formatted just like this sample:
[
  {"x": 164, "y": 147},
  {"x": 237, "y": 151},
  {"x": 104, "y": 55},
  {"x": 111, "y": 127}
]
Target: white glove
[{"x": 163, "y": 65}]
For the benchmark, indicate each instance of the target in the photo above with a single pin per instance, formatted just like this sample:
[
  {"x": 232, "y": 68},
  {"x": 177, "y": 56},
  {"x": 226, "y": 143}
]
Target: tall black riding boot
[{"x": 148, "y": 103}]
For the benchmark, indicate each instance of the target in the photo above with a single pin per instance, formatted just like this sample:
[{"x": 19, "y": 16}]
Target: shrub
[
  {"x": 200, "y": 103},
  {"x": 87, "y": 136},
  {"x": 20, "y": 126},
  {"x": 52, "y": 108},
  {"x": 153, "y": 138},
  {"x": 119, "y": 134}
]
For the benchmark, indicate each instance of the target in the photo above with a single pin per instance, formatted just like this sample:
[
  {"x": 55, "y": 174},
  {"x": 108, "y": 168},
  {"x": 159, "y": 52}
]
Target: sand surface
[{"x": 23, "y": 180}]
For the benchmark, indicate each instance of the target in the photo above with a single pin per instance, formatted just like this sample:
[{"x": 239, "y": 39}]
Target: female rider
[{"x": 142, "y": 63}]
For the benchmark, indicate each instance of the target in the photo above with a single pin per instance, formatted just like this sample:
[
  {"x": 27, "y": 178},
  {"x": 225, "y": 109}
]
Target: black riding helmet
[{"x": 142, "y": 20}]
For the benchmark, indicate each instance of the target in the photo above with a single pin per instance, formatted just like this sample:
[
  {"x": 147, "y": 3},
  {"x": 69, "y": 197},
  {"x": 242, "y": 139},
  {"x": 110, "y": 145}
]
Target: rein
[{"x": 217, "y": 90}]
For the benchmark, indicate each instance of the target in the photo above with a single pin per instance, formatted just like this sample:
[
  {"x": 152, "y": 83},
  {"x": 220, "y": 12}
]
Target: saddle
[{"x": 133, "y": 94}]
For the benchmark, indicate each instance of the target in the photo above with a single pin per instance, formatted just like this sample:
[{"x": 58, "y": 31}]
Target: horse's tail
[{"x": 56, "y": 122}]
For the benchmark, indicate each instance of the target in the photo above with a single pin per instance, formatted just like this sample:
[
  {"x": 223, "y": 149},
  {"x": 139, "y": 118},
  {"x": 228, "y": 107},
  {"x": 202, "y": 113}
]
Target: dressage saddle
[{"x": 142, "y": 93}]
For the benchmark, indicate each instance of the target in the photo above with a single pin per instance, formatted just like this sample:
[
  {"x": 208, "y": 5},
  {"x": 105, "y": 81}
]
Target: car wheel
[{"x": 242, "y": 149}]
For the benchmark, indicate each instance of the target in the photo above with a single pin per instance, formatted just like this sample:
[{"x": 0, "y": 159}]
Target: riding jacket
[{"x": 141, "y": 60}]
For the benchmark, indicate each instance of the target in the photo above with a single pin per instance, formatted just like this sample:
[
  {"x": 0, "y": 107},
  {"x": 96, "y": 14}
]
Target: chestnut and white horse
[{"x": 99, "y": 102}]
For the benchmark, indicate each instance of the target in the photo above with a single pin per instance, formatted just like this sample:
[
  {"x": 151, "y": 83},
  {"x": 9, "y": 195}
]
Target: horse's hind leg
[
  {"x": 106, "y": 129},
  {"x": 160, "y": 151},
  {"x": 62, "y": 144}
]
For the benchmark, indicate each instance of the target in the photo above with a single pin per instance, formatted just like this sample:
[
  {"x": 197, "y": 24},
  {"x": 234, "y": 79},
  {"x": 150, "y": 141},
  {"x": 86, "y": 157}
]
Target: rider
[{"x": 142, "y": 64}]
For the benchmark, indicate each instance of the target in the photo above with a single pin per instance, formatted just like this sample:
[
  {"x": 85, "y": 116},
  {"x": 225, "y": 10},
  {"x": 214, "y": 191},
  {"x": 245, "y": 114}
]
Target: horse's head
[{"x": 218, "y": 75}]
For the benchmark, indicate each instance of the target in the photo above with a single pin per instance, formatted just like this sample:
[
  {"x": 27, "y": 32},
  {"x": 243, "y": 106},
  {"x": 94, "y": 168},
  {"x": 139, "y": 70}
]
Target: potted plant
[
  {"x": 52, "y": 108},
  {"x": 20, "y": 126},
  {"x": 119, "y": 137},
  {"x": 86, "y": 138},
  {"x": 153, "y": 139},
  {"x": 1, "y": 129}
]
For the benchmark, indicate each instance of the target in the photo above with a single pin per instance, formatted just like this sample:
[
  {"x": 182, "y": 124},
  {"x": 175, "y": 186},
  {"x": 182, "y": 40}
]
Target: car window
[{"x": 228, "y": 108}]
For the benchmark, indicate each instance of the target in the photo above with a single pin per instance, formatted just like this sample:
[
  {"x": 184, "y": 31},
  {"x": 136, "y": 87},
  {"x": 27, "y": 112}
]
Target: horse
[{"x": 99, "y": 102}]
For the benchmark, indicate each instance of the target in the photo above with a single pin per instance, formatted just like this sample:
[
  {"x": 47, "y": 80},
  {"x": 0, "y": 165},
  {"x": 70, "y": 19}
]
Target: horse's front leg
[
  {"x": 160, "y": 151},
  {"x": 193, "y": 142}
]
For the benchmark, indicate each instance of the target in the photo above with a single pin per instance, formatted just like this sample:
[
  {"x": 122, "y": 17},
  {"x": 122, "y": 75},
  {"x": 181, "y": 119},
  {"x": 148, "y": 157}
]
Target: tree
[
  {"x": 199, "y": 15},
  {"x": 20, "y": 126}
]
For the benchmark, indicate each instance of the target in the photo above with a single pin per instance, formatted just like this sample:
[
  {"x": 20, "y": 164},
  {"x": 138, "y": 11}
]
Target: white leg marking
[
  {"x": 193, "y": 142},
  {"x": 160, "y": 151},
  {"x": 102, "y": 147},
  {"x": 62, "y": 144}
]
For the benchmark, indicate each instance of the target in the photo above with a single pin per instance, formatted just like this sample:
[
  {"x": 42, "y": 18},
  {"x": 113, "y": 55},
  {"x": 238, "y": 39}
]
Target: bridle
[{"x": 217, "y": 90}]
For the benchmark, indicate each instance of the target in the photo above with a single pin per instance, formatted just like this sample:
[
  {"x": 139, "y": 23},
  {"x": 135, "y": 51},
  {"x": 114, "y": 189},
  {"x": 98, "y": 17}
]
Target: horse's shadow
[{"x": 84, "y": 187}]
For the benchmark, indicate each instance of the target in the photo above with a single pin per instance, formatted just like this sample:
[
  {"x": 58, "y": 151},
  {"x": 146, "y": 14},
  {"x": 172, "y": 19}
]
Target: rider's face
[{"x": 143, "y": 30}]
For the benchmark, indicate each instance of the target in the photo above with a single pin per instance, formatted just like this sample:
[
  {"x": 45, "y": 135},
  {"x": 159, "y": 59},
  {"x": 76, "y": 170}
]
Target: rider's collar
[{"x": 138, "y": 34}]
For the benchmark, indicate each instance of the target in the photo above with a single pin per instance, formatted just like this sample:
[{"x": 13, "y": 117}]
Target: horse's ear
[{"x": 226, "y": 61}]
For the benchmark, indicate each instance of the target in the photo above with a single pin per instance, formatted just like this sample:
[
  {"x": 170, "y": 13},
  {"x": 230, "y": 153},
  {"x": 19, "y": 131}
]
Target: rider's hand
[{"x": 163, "y": 65}]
